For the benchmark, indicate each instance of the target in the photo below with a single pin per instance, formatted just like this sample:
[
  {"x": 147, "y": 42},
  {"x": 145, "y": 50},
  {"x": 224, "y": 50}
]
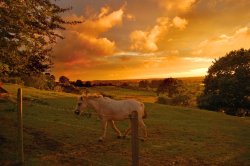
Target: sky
[{"x": 137, "y": 39}]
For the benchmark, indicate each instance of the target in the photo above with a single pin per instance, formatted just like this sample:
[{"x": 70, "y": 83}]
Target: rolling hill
[{"x": 53, "y": 135}]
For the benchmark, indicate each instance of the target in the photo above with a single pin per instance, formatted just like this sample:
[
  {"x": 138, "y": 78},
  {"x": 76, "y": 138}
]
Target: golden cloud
[
  {"x": 176, "y": 5},
  {"x": 101, "y": 22},
  {"x": 147, "y": 40},
  {"x": 179, "y": 22},
  {"x": 83, "y": 43},
  {"x": 130, "y": 17},
  {"x": 220, "y": 45}
]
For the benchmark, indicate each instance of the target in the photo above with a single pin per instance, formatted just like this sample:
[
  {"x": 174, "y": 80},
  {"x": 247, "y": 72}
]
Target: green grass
[
  {"x": 53, "y": 135},
  {"x": 123, "y": 93}
]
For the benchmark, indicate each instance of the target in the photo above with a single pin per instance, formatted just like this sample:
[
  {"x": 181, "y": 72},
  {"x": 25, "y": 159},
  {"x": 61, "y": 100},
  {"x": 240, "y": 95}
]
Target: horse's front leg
[
  {"x": 104, "y": 128},
  {"x": 115, "y": 128}
]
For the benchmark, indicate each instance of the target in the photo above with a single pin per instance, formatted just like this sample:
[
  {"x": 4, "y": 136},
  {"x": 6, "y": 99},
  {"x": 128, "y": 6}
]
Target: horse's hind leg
[
  {"x": 115, "y": 128},
  {"x": 144, "y": 128},
  {"x": 127, "y": 131}
]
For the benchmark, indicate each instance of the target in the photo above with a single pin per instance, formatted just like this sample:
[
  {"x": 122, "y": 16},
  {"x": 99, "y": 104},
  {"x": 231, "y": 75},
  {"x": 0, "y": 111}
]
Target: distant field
[
  {"x": 194, "y": 87},
  {"x": 135, "y": 81},
  {"x": 53, "y": 135},
  {"x": 123, "y": 93}
]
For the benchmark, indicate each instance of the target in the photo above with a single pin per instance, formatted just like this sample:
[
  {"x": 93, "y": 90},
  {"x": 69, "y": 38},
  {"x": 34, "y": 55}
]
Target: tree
[
  {"x": 27, "y": 33},
  {"x": 170, "y": 86},
  {"x": 64, "y": 80},
  {"x": 88, "y": 84},
  {"x": 51, "y": 80},
  {"x": 143, "y": 84},
  {"x": 79, "y": 83},
  {"x": 155, "y": 83},
  {"x": 227, "y": 85}
]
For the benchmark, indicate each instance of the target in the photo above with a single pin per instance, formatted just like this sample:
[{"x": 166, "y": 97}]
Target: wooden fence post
[
  {"x": 134, "y": 140},
  {"x": 20, "y": 127}
]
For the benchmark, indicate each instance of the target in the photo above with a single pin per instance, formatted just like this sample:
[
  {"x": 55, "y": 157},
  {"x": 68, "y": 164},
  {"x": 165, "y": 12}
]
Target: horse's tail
[{"x": 145, "y": 115}]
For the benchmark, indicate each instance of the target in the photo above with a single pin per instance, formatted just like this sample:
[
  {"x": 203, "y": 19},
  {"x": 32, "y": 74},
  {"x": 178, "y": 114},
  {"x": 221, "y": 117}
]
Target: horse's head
[
  {"x": 81, "y": 105},
  {"x": 86, "y": 100}
]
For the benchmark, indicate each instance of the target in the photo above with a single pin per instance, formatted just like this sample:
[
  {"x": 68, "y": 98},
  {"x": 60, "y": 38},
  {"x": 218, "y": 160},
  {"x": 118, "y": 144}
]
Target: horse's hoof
[
  {"x": 100, "y": 140},
  {"x": 119, "y": 136},
  {"x": 143, "y": 139}
]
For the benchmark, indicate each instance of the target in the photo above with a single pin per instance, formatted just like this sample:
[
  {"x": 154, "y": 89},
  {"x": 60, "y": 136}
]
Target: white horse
[{"x": 110, "y": 110}]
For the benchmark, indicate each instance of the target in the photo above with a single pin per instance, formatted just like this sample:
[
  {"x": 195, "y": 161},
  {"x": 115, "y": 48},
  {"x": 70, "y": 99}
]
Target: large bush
[
  {"x": 170, "y": 86},
  {"x": 36, "y": 81},
  {"x": 174, "y": 91},
  {"x": 227, "y": 85},
  {"x": 40, "y": 81},
  {"x": 178, "y": 100}
]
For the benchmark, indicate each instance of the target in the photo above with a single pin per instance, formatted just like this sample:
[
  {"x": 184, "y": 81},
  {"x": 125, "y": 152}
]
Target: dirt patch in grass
[
  {"x": 7, "y": 122},
  {"x": 31, "y": 100},
  {"x": 66, "y": 157},
  {"x": 42, "y": 140},
  {"x": 3, "y": 140},
  {"x": 89, "y": 153},
  {"x": 148, "y": 160}
]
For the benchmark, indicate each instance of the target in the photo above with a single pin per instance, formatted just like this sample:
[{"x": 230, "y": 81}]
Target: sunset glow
[{"x": 149, "y": 38}]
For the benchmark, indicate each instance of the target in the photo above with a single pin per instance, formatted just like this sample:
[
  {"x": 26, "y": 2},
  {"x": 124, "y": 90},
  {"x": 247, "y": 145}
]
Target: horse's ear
[{"x": 85, "y": 92}]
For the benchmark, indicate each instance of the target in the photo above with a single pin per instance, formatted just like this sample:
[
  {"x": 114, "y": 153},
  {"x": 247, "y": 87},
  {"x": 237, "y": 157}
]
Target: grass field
[{"x": 53, "y": 135}]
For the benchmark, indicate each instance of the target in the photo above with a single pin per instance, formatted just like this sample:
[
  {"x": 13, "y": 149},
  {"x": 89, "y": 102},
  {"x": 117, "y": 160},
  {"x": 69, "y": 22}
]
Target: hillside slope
[{"x": 53, "y": 135}]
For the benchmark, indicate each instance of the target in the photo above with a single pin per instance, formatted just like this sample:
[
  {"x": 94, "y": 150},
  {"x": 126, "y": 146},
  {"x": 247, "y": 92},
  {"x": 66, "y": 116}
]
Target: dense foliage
[
  {"x": 27, "y": 34},
  {"x": 144, "y": 84},
  {"x": 64, "y": 80},
  {"x": 227, "y": 85},
  {"x": 79, "y": 83},
  {"x": 175, "y": 92},
  {"x": 170, "y": 86}
]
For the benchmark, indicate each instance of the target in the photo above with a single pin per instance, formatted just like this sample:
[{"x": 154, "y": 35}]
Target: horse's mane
[{"x": 93, "y": 96}]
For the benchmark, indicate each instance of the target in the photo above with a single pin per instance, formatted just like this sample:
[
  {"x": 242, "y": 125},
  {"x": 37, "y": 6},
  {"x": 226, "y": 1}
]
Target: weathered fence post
[
  {"x": 20, "y": 127},
  {"x": 134, "y": 140}
]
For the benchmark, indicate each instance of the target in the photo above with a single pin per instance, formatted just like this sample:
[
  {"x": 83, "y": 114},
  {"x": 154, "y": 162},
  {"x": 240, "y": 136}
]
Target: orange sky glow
[{"x": 135, "y": 39}]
